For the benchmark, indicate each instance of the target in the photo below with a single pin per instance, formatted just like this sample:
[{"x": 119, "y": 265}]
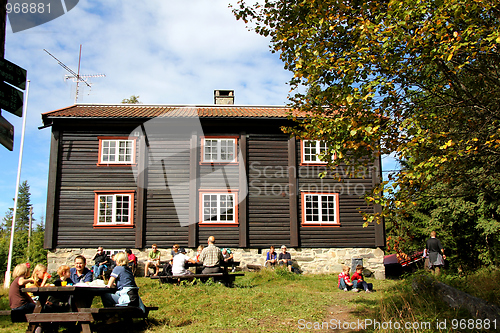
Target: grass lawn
[
  {"x": 270, "y": 301},
  {"x": 267, "y": 301}
]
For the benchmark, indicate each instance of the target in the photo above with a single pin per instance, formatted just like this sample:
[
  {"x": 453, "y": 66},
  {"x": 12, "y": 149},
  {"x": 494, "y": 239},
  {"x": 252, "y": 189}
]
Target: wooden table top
[{"x": 94, "y": 290}]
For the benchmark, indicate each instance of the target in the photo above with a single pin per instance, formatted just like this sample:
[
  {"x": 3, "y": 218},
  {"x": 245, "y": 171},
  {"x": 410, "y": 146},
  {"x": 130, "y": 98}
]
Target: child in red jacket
[
  {"x": 358, "y": 282},
  {"x": 344, "y": 280}
]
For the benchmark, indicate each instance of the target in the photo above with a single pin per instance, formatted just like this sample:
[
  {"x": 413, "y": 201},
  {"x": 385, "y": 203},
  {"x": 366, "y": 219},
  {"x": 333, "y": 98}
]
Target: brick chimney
[{"x": 224, "y": 96}]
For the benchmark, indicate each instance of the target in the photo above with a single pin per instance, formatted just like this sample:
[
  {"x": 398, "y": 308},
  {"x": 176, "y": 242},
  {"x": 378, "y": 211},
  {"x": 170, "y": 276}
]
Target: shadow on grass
[
  {"x": 127, "y": 325},
  {"x": 365, "y": 302}
]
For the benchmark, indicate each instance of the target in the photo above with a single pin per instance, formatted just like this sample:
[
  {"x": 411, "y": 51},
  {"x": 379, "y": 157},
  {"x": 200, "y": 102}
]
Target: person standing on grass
[
  {"x": 211, "y": 257},
  {"x": 425, "y": 255},
  {"x": 80, "y": 273},
  {"x": 436, "y": 253}
]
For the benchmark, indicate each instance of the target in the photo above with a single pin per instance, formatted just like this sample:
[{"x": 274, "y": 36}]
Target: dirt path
[{"x": 350, "y": 312}]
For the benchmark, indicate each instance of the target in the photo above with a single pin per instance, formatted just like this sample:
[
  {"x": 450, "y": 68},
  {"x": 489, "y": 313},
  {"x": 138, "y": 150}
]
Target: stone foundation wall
[{"x": 309, "y": 261}]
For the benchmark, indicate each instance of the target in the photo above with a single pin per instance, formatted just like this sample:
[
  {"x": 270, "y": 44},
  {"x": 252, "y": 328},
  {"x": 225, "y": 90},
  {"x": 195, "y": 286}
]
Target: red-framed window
[
  {"x": 218, "y": 208},
  {"x": 219, "y": 149},
  {"x": 116, "y": 151},
  {"x": 114, "y": 209},
  {"x": 320, "y": 209}
]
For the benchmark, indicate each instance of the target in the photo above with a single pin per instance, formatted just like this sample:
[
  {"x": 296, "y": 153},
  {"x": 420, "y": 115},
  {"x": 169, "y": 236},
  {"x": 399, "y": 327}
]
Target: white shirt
[{"x": 178, "y": 264}]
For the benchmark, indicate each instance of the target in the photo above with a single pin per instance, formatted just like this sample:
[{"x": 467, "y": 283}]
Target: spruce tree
[{"x": 20, "y": 246}]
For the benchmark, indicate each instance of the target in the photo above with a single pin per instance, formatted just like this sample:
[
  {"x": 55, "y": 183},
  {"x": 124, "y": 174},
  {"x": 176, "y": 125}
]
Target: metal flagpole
[
  {"x": 6, "y": 283},
  {"x": 29, "y": 231}
]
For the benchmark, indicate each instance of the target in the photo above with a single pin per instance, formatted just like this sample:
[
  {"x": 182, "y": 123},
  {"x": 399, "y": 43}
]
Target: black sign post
[
  {"x": 11, "y": 99},
  {"x": 6, "y": 134},
  {"x": 13, "y": 74},
  {"x": 12, "y": 78}
]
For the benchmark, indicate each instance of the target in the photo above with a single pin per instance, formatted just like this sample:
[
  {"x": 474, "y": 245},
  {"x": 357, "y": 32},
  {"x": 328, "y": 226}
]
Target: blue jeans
[
  {"x": 18, "y": 314},
  {"x": 362, "y": 285},
  {"x": 343, "y": 285},
  {"x": 127, "y": 296},
  {"x": 99, "y": 270}
]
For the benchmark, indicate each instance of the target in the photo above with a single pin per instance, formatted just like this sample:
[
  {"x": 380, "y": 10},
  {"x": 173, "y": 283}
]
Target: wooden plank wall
[
  {"x": 351, "y": 232},
  {"x": 268, "y": 202},
  {"x": 168, "y": 180},
  {"x": 80, "y": 178}
]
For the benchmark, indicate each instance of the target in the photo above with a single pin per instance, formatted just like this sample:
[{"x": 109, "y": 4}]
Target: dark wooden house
[{"x": 130, "y": 175}]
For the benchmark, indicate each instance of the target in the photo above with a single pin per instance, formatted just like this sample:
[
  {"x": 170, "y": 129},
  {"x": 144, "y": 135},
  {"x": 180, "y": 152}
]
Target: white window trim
[
  {"x": 116, "y": 155},
  {"x": 218, "y": 159},
  {"x": 114, "y": 223},
  {"x": 316, "y": 157},
  {"x": 336, "y": 210},
  {"x": 202, "y": 220}
]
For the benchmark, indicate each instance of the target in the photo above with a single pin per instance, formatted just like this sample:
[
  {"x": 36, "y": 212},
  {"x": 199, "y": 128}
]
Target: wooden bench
[
  {"x": 151, "y": 269},
  {"x": 15, "y": 316},
  {"x": 90, "y": 314},
  {"x": 122, "y": 311},
  {"x": 228, "y": 279}
]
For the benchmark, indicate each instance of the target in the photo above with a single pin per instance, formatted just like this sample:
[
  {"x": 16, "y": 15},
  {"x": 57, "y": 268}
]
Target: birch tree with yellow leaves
[{"x": 419, "y": 79}]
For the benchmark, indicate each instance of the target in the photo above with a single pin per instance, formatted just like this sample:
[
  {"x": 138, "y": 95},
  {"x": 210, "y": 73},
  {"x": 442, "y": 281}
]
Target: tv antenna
[{"x": 76, "y": 77}]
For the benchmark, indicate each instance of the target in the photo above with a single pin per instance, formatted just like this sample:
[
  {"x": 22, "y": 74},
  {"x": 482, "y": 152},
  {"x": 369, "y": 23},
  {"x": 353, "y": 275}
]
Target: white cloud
[{"x": 171, "y": 52}]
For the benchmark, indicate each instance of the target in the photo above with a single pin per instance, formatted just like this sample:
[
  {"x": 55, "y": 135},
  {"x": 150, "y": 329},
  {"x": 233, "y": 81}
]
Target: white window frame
[
  {"x": 219, "y": 210},
  {"x": 115, "y": 211},
  {"x": 219, "y": 148},
  {"x": 130, "y": 145},
  {"x": 319, "y": 147},
  {"x": 322, "y": 213}
]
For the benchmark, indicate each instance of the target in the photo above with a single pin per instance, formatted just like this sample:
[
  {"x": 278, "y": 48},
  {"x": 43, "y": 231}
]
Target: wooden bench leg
[
  {"x": 86, "y": 327},
  {"x": 31, "y": 328}
]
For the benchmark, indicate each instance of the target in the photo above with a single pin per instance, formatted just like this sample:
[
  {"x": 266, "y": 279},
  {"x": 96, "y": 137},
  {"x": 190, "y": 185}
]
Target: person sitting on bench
[
  {"x": 271, "y": 258},
  {"x": 154, "y": 257},
  {"x": 132, "y": 260},
  {"x": 179, "y": 262},
  {"x": 80, "y": 273},
  {"x": 20, "y": 302},
  {"x": 101, "y": 263},
  {"x": 228, "y": 258},
  {"x": 127, "y": 293},
  {"x": 285, "y": 258},
  {"x": 211, "y": 257}
]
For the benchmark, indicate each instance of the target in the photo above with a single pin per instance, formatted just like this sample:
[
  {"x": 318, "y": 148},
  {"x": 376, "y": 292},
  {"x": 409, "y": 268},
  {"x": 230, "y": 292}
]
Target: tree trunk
[{"x": 455, "y": 298}]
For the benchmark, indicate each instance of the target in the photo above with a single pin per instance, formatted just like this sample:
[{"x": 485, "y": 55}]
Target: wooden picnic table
[
  {"x": 80, "y": 312},
  {"x": 224, "y": 276},
  {"x": 224, "y": 264}
]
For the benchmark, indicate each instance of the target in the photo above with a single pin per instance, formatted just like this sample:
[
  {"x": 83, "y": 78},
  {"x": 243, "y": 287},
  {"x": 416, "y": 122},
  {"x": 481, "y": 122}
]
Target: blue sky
[{"x": 167, "y": 52}]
